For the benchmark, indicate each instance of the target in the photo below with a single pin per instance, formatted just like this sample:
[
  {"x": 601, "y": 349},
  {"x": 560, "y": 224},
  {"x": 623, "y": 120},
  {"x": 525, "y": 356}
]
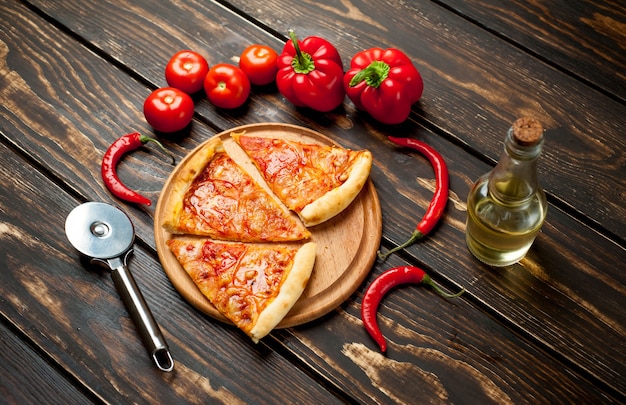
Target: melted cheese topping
[
  {"x": 240, "y": 280},
  {"x": 299, "y": 173},
  {"x": 224, "y": 202}
]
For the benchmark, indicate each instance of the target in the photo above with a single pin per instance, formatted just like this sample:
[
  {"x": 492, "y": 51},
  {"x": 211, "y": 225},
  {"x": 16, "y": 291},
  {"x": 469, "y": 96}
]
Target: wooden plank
[
  {"x": 27, "y": 378},
  {"x": 585, "y": 39}
]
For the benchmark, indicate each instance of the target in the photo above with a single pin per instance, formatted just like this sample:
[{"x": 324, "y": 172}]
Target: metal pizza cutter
[{"x": 105, "y": 234}]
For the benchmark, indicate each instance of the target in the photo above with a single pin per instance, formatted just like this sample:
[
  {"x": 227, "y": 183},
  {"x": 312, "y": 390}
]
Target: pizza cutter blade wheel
[{"x": 106, "y": 235}]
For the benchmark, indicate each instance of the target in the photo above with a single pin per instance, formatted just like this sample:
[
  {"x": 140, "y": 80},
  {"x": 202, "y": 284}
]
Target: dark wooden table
[{"x": 551, "y": 329}]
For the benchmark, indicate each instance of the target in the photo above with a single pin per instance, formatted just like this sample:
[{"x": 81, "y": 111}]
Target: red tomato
[
  {"x": 168, "y": 109},
  {"x": 226, "y": 86},
  {"x": 259, "y": 63},
  {"x": 186, "y": 71}
]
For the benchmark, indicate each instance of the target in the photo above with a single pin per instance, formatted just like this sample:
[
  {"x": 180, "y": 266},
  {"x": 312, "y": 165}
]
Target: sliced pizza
[
  {"x": 253, "y": 285},
  {"x": 315, "y": 181},
  {"x": 213, "y": 196}
]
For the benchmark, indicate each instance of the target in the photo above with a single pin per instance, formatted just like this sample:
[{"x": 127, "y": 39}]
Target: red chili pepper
[
  {"x": 385, "y": 83},
  {"x": 385, "y": 282},
  {"x": 310, "y": 73},
  {"x": 112, "y": 156},
  {"x": 440, "y": 198}
]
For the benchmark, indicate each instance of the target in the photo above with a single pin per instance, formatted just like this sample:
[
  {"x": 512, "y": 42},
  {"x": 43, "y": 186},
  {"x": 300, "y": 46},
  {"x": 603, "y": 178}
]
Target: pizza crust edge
[
  {"x": 183, "y": 180},
  {"x": 338, "y": 199},
  {"x": 289, "y": 293}
]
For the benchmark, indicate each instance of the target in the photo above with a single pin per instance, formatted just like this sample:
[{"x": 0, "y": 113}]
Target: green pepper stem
[
  {"x": 414, "y": 237},
  {"x": 429, "y": 281},
  {"x": 374, "y": 74},
  {"x": 146, "y": 139},
  {"x": 303, "y": 62}
]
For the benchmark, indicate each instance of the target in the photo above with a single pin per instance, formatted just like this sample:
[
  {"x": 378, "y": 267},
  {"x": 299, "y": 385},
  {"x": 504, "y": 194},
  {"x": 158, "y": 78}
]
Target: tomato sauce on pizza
[
  {"x": 303, "y": 174},
  {"x": 224, "y": 202},
  {"x": 253, "y": 285}
]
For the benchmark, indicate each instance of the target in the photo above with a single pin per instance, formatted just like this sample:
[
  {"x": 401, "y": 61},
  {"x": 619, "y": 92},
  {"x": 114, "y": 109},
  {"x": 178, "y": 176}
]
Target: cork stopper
[{"x": 527, "y": 131}]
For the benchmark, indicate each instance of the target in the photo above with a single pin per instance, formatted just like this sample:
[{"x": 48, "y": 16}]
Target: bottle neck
[{"x": 514, "y": 179}]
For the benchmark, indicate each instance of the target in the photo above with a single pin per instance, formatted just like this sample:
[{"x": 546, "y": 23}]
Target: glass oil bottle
[{"x": 507, "y": 207}]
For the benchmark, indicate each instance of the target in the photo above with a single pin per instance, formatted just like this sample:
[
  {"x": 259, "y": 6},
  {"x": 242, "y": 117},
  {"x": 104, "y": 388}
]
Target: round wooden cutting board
[{"x": 346, "y": 244}]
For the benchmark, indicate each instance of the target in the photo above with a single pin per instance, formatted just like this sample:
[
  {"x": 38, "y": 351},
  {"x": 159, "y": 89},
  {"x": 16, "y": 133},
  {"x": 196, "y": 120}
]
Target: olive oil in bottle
[{"x": 506, "y": 207}]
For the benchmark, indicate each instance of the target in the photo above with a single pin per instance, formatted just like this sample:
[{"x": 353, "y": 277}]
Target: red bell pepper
[
  {"x": 385, "y": 83},
  {"x": 310, "y": 73}
]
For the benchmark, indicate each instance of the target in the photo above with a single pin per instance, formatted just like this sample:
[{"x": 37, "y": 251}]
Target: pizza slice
[
  {"x": 253, "y": 285},
  {"x": 315, "y": 181},
  {"x": 213, "y": 196}
]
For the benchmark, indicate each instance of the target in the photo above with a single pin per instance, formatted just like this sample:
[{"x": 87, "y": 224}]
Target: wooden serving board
[{"x": 346, "y": 244}]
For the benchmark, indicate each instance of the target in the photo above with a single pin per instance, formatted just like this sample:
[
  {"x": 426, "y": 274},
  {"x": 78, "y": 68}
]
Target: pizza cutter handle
[{"x": 141, "y": 315}]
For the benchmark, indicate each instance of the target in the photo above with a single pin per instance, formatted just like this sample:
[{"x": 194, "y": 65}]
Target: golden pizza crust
[
  {"x": 338, "y": 199},
  {"x": 227, "y": 288},
  {"x": 290, "y": 292},
  {"x": 197, "y": 163}
]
